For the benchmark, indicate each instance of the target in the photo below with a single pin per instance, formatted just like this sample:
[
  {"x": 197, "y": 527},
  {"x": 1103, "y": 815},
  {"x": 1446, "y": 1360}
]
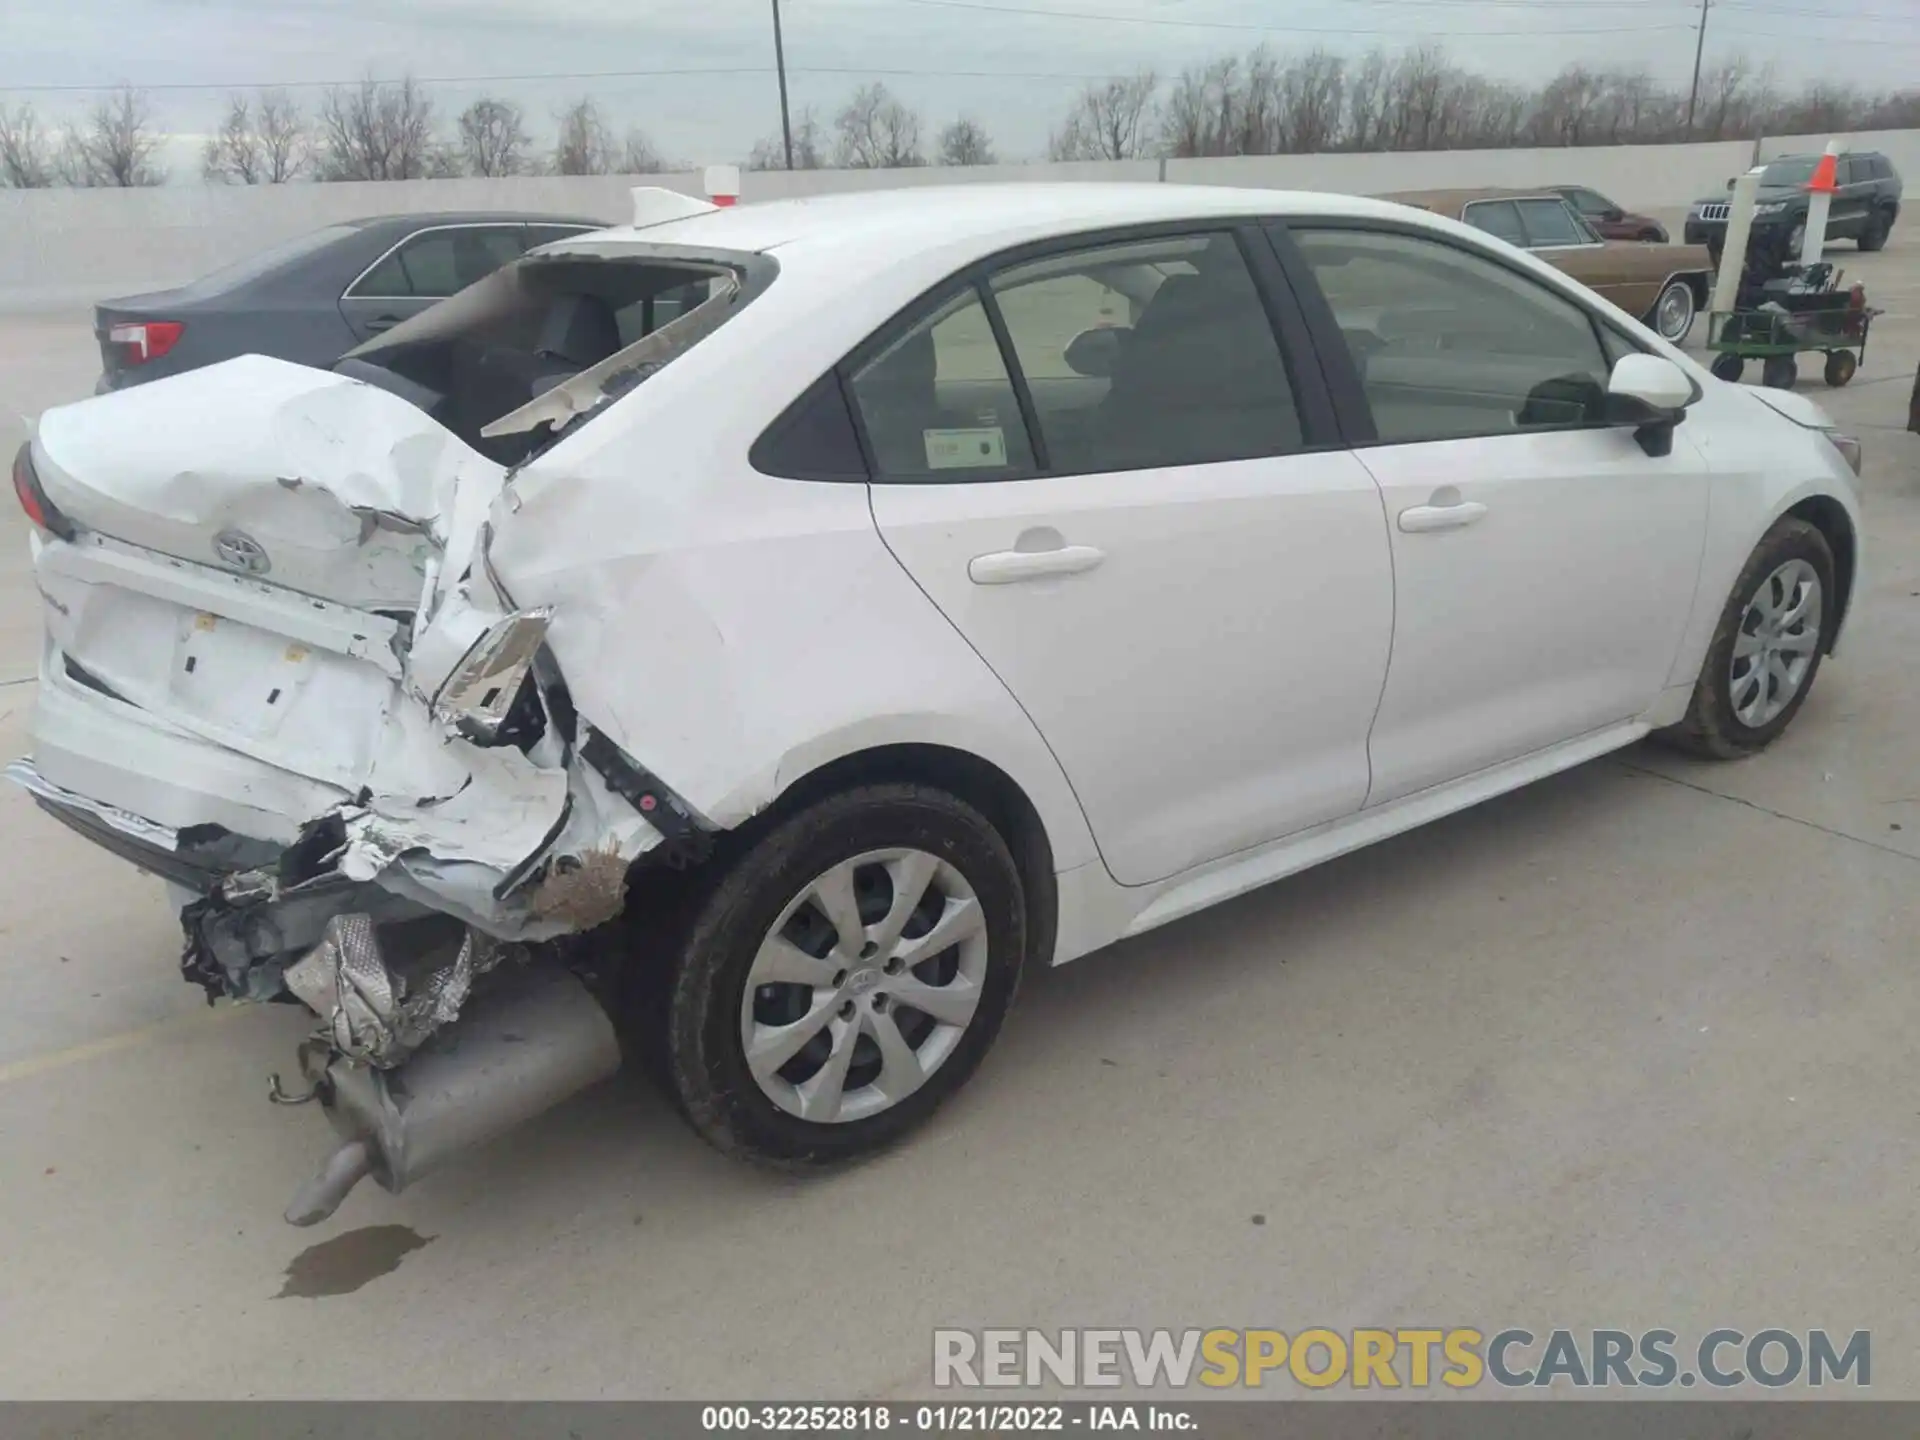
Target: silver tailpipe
[{"x": 521, "y": 1045}]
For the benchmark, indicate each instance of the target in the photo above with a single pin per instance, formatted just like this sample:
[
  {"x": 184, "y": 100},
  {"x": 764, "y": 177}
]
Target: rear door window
[
  {"x": 938, "y": 404},
  {"x": 1197, "y": 378},
  {"x": 1550, "y": 222},
  {"x": 1496, "y": 217},
  {"x": 434, "y": 264}
]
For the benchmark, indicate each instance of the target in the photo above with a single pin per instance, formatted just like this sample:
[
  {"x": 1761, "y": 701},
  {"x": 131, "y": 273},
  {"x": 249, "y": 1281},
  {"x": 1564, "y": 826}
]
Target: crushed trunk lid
[{"x": 299, "y": 477}]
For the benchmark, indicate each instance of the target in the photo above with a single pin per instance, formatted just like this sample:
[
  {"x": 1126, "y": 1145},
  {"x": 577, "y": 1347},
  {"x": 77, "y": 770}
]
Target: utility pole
[
  {"x": 1693, "y": 95},
  {"x": 780, "y": 64}
]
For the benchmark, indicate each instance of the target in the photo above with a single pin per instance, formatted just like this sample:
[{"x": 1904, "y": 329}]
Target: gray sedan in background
[{"x": 315, "y": 297}]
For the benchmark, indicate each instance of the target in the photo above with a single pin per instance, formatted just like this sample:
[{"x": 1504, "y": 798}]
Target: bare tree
[
  {"x": 26, "y": 153},
  {"x": 493, "y": 137},
  {"x": 1110, "y": 120},
  {"x": 378, "y": 130},
  {"x": 874, "y": 131},
  {"x": 809, "y": 146},
  {"x": 113, "y": 146},
  {"x": 584, "y": 145},
  {"x": 965, "y": 142},
  {"x": 639, "y": 156},
  {"x": 1366, "y": 97},
  {"x": 262, "y": 141},
  {"x": 1311, "y": 95}
]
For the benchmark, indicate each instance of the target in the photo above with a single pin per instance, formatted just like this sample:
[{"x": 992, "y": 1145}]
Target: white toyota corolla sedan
[{"x": 755, "y": 636}]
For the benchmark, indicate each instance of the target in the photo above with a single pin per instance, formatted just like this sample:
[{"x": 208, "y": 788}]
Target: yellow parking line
[{"x": 109, "y": 1044}]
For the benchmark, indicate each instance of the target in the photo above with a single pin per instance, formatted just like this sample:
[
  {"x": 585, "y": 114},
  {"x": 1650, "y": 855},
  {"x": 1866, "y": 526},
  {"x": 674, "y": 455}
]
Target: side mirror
[
  {"x": 1650, "y": 394},
  {"x": 1093, "y": 353},
  {"x": 1613, "y": 212}
]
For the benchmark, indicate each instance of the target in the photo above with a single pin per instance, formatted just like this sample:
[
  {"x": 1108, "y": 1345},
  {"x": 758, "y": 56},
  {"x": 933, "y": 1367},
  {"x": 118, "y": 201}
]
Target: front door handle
[
  {"x": 1421, "y": 519},
  {"x": 1003, "y": 567}
]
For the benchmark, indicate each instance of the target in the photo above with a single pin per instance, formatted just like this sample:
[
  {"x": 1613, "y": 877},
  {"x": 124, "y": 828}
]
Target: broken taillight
[
  {"x": 33, "y": 500},
  {"x": 144, "y": 340}
]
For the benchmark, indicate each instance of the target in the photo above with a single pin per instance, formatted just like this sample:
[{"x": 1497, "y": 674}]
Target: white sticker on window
[{"x": 983, "y": 447}]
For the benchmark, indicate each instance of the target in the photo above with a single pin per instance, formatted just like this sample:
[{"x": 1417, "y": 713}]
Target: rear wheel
[
  {"x": 1672, "y": 314},
  {"x": 1840, "y": 367},
  {"x": 1779, "y": 372},
  {"x": 1766, "y": 649},
  {"x": 1874, "y": 237},
  {"x": 844, "y": 976},
  {"x": 1728, "y": 366}
]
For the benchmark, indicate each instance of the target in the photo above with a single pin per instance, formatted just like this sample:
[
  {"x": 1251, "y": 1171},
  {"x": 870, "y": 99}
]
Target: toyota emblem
[{"x": 240, "y": 551}]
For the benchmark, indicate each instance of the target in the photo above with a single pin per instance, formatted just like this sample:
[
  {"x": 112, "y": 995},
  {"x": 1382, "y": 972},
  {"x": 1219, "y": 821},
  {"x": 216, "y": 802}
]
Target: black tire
[
  {"x": 688, "y": 1010},
  {"x": 1728, "y": 366},
  {"x": 1840, "y": 367},
  {"x": 1710, "y": 727},
  {"x": 1680, "y": 290},
  {"x": 1779, "y": 372},
  {"x": 1874, "y": 237}
]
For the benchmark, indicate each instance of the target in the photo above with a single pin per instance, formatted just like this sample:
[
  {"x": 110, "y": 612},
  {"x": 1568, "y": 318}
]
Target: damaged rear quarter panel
[{"x": 732, "y": 631}]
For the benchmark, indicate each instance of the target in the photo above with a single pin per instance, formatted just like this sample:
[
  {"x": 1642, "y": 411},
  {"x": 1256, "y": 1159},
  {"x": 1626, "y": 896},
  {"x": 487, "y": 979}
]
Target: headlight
[
  {"x": 1848, "y": 446},
  {"x": 1770, "y": 207}
]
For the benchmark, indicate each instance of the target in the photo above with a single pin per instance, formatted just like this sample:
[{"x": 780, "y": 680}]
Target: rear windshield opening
[{"x": 532, "y": 327}]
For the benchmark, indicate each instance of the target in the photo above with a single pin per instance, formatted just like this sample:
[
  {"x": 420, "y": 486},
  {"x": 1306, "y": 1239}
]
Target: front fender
[{"x": 1764, "y": 466}]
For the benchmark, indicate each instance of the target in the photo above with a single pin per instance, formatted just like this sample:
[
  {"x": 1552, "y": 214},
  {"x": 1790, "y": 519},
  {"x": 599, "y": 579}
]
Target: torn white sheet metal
[
  {"x": 373, "y": 1013},
  {"x": 456, "y": 801},
  {"x": 23, "y": 774},
  {"x": 469, "y": 663},
  {"x": 311, "y": 480}
]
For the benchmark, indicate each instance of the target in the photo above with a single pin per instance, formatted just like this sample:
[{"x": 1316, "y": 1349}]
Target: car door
[
  {"x": 427, "y": 266},
  {"x": 1154, "y": 539},
  {"x": 1544, "y": 564},
  {"x": 1847, "y": 213}
]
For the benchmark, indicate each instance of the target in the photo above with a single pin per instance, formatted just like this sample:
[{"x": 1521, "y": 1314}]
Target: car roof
[
  {"x": 469, "y": 217},
  {"x": 980, "y": 218},
  {"x": 1451, "y": 202}
]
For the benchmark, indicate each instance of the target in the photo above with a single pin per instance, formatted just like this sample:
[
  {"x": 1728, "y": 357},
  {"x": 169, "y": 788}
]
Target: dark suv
[{"x": 1866, "y": 200}]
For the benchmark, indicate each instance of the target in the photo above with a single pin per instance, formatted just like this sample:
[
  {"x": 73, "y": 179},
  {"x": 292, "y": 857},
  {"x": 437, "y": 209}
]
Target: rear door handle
[
  {"x": 1004, "y": 567},
  {"x": 382, "y": 322},
  {"x": 1420, "y": 519}
]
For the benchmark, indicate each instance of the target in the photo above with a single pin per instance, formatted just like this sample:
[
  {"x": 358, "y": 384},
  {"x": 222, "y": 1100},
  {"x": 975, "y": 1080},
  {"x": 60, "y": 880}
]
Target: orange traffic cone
[{"x": 1824, "y": 175}]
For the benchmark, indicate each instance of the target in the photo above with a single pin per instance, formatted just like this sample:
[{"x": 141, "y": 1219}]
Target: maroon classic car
[{"x": 1613, "y": 222}]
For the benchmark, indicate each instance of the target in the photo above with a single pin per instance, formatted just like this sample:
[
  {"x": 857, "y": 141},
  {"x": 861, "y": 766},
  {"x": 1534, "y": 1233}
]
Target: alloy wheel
[
  {"x": 864, "y": 986},
  {"x": 1775, "y": 646}
]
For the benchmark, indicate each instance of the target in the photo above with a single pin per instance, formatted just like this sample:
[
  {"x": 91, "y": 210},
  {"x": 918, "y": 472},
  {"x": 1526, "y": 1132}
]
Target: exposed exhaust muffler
[{"x": 522, "y": 1044}]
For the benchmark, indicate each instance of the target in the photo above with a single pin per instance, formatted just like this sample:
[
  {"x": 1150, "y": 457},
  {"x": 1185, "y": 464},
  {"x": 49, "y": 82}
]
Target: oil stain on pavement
[{"x": 343, "y": 1264}]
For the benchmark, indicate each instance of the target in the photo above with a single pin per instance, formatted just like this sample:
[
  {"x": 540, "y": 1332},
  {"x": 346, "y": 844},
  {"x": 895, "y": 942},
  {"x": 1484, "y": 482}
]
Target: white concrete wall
[
  {"x": 65, "y": 249},
  {"x": 1641, "y": 177}
]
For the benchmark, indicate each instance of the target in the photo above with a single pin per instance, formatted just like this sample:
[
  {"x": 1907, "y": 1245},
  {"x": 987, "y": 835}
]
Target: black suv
[{"x": 1866, "y": 199}]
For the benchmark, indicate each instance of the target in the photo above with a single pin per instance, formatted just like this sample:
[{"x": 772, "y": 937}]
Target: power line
[
  {"x": 1284, "y": 29},
  {"x": 1829, "y": 39},
  {"x": 570, "y": 75},
  {"x": 1745, "y": 8}
]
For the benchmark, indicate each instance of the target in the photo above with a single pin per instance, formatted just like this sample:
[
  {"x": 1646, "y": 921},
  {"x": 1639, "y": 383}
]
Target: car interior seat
[
  {"x": 1181, "y": 379},
  {"x": 900, "y": 400}
]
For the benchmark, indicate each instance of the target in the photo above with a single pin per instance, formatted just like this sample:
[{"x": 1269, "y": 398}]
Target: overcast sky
[{"x": 1015, "y": 72}]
